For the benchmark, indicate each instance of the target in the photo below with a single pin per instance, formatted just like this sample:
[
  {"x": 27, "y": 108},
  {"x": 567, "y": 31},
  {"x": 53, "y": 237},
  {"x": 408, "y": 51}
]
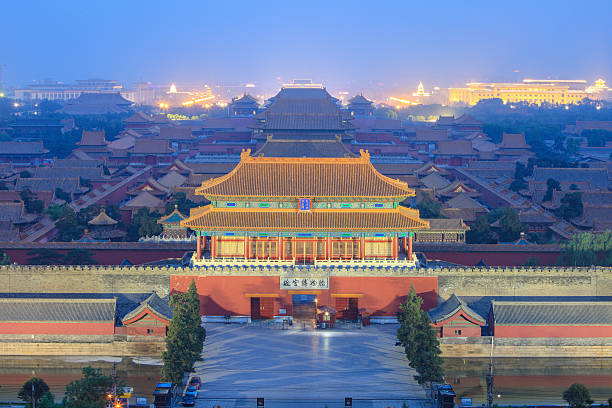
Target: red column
[
  {"x": 279, "y": 248},
  {"x": 203, "y": 242},
  {"x": 199, "y": 247},
  {"x": 410, "y": 247},
  {"x": 246, "y": 247},
  {"x": 362, "y": 247},
  {"x": 213, "y": 247},
  {"x": 395, "y": 247},
  {"x": 328, "y": 248},
  {"x": 404, "y": 245}
]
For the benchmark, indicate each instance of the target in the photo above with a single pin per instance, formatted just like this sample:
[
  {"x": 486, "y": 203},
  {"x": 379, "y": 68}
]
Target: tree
[
  {"x": 144, "y": 224},
  {"x": 4, "y": 259},
  {"x": 90, "y": 391},
  {"x": 33, "y": 390},
  {"x": 181, "y": 201},
  {"x": 62, "y": 195},
  {"x": 480, "y": 232},
  {"x": 429, "y": 208},
  {"x": 69, "y": 226},
  {"x": 588, "y": 249},
  {"x": 55, "y": 211},
  {"x": 45, "y": 256},
  {"x": 551, "y": 184},
  {"x": 185, "y": 336},
  {"x": 510, "y": 226},
  {"x": 571, "y": 206},
  {"x": 577, "y": 396},
  {"x": 419, "y": 339}
]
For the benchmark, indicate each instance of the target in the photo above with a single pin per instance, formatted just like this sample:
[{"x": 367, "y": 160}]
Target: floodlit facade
[{"x": 532, "y": 91}]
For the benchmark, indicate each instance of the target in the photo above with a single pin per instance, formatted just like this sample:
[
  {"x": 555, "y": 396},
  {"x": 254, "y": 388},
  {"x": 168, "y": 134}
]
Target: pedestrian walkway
[{"x": 315, "y": 368}]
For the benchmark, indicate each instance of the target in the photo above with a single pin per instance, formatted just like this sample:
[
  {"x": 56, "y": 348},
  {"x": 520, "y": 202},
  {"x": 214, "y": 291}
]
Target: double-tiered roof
[{"x": 345, "y": 195}]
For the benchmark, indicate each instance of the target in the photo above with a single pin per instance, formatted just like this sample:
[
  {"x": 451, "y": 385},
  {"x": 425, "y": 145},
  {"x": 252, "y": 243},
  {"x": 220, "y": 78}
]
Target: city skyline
[{"x": 392, "y": 47}]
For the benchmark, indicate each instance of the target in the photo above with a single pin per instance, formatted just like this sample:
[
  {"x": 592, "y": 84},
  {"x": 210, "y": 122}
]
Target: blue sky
[{"x": 347, "y": 43}]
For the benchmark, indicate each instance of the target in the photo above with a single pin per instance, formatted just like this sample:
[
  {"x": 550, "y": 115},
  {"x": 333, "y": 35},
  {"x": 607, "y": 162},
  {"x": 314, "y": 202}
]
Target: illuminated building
[
  {"x": 532, "y": 91},
  {"x": 304, "y": 210},
  {"x": 57, "y": 91},
  {"x": 360, "y": 107},
  {"x": 421, "y": 91}
]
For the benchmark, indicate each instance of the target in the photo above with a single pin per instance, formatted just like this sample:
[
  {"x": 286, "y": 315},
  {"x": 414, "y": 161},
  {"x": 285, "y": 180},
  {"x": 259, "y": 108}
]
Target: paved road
[{"x": 317, "y": 368}]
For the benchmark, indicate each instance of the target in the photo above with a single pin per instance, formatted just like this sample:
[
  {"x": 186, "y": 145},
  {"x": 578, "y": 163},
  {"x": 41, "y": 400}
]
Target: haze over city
[
  {"x": 346, "y": 45},
  {"x": 340, "y": 204}
]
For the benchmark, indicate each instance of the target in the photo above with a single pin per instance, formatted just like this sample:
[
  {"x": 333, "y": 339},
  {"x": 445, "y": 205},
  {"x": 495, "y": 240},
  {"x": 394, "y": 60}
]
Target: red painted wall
[
  {"x": 553, "y": 331},
  {"x": 466, "y": 331},
  {"x": 62, "y": 328},
  {"x": 221, "y": 295}
]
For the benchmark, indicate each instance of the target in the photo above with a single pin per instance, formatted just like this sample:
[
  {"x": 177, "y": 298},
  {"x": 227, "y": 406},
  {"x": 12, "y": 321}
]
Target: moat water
[{"x": 518, "y": 381}]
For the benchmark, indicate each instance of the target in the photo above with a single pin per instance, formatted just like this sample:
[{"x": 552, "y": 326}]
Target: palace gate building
[
  {"x": 304, "y": 223},
  {"x": 305, "y": 231}
]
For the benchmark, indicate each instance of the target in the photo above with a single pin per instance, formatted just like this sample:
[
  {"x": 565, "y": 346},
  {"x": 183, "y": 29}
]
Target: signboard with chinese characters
[
  {"x": 305, "y": 204},
  {"x": 299, "y": 283}
]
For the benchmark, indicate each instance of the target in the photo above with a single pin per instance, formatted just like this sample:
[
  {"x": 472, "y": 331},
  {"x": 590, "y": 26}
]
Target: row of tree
[
  {"x": 185, "y": 337},
  {"x": 91, "y": 391},
  {"x": 420, "y": 341},
  {"x": 588, "y": 249}
]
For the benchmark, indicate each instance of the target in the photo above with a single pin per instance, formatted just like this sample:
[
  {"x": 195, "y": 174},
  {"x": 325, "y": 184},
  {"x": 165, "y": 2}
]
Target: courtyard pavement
[{"x": 296, "y": 368}]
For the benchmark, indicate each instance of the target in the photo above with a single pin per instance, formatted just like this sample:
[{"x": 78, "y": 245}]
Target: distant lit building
[
  {"x": 360, "y": 107},
  {"x": 58, "y": 91},
  {"x": 532, "y": 91},
  {"x": 421, "y": 91},
  {"x": 244, "y": 106}
]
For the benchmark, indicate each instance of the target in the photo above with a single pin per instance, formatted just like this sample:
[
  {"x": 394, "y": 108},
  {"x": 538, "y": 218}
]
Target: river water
[{"x": 518, "y": 380}]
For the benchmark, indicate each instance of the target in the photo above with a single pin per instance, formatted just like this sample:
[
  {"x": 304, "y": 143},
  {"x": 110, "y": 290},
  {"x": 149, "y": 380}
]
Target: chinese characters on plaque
[{"x": 304, "y": 283}]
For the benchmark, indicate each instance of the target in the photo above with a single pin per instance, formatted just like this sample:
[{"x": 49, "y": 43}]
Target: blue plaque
[{"x": 304, "y": 204}]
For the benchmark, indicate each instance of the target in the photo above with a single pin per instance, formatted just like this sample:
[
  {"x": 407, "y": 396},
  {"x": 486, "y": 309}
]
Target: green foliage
[
  {"x": 69, "y": 226},
  {"x": 144, "y": 224},
  {"x": 551, "y": 184},
  {"x": 33, "y": 390},
  {"x": 62, "y": 195},
  {"x": 588, "y": 249},
  {"x": 31, "y": 203},
  {"x": 510, "y": 226},
  {"x": 571, "y": 206},
  {"x": 480, "y": 232},
  {"x": 183, "y": 204},
  {"x": 47, "y": 401},
  {"x": 185, "y": 336},
  {"x": 55, "y": 211},
  {"x": 25, "y": 174},
  {"x": 597, "y": 137},
  {"x": 577, "y": 396},
  {"x": 429, "y": 208},
  {"x": 419, "y": 340},
  {"x": 518, "y": 185},
  {"x": 45, "y": 256},
  {"x": 90, "y": 391},
  {"x": 4, "y": 259}
]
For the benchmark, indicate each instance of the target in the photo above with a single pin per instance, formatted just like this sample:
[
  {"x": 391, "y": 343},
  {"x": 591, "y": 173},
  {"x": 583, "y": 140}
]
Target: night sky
[{"x": 352, "y": 44}]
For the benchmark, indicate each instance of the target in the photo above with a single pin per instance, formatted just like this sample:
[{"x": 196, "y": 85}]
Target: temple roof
[
  {"x": 138, "y": 117},
  {"x": 453, "y": 306},
  {"x": 56, "y": 310},
  {"x": 359, "y": 99},
  {"x": 92, "y": 138},
  {"x": 514, "y": 141},
  {"x": 144, "y": 199},
  {"x": 434, "y": 180},
  {"x": 552, "y": 313},
  {"x": 174, "y": 217},
  {"x": 463, "y": 201},
  {"x": 154, "y": 304},
  {"x": 102, "y": 219},
  {"x": 25, "y": 148},
  {"x": 304, "y": 148},
  {"x": 304, "y": 177},
  {"x": 245, "y": 99},
  {"x": 244, "y": 219}
]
